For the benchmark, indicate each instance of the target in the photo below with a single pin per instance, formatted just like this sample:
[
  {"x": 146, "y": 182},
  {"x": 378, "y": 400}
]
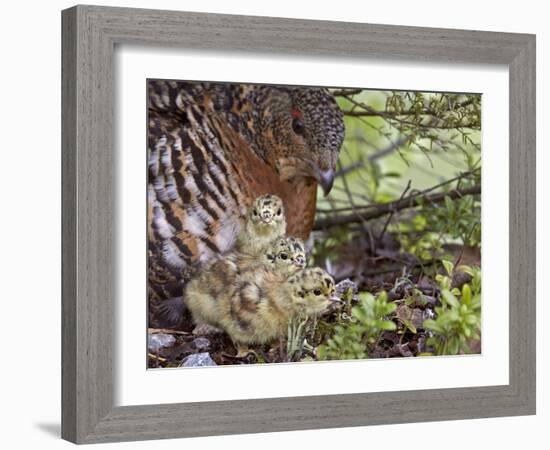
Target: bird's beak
[{"x": 326, "y": 179}]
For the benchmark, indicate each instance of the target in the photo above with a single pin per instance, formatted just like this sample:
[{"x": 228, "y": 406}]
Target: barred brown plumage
[{"x": 212, "y": 149}]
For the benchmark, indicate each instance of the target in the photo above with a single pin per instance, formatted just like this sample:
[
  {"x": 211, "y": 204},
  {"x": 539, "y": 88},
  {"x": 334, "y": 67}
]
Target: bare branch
[
  {"x": 387, "y": 208},
  {"x": 414, "y": 193},
  {"x": 393, "y": 212}
]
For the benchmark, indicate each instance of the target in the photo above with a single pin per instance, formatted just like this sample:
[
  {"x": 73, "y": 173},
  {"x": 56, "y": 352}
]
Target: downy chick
[
  {"x": 219, "y": 277},
  {"x": 259, "y": 308},
  {"x": 288, "y": 255},
  {"x": 265, "y": 222},
  {"x": 285, "y": 255}
]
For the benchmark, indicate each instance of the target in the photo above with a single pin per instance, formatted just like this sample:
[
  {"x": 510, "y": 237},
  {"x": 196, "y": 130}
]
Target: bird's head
[
  {"x": 287, "y": 254},
  {"x": 297, "y": 251},
  {"x": 313, "y": 290},
  {"x": 267, "y": 211},
  {"x": 302, "y": 132}
]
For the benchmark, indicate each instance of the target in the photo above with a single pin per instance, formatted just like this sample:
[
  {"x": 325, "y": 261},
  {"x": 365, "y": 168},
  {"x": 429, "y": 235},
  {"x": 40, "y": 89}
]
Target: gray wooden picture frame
[{"x": 90, "y": 34}]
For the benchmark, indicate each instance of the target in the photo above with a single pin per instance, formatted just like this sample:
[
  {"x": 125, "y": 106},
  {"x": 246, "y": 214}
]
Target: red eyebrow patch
[{"x": 296, "y": 113}]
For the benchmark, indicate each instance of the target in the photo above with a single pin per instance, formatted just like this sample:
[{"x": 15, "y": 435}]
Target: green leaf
[
  {"x": 466, "y": 294},
  {"x": 448, "y": 265},
  {"x": 388, "y": 325},
  {"x": 390, "y": 308},
  {"x": 466, "y": 269},
  {"x": 449, "y": 205},
  {"x": 443, "y": 281},
  {"x": 453, "y": 346},
  {"x": 391, "y": 175},
  {"x": 430, "y": 324},
  {"x": 476, "y": 302},
  {"x": 410, "y": 326},
  {"x": 359, "y": 313},
  {"x": 450, "y": 299},
  {"x": 470, "y": 319}
]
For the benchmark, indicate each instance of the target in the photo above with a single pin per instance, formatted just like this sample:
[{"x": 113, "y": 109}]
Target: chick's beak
[{"x": 326, "y": 179}]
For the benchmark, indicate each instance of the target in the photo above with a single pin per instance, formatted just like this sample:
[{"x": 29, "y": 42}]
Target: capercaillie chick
[
  {"x": 287, "y": 254},
  {"x": 262, "y": 305},
  {"x": 265, "y": 222},
  {"x": 284, "y": 256},
  {"x": 256, "y": 306}
]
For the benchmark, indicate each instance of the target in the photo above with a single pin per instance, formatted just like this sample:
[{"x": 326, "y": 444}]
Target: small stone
[
  {"x": 417, "y": 318},
  {"x": 403, "y": 313},
  {"x": 198, "y": 360},
  {"x": 404, "y": 350},
  {"x": 159, "y": 340},
  {"x": 459, "y": 279},
  {"x": 392, "y": 295},
  {"x": 206, "y": 329},
  {"x": 427, "y": 286},
  {"x": 429, "y": 300},
  {"x": 391, "y": 336},
  {"x": 428, "y": 314},
  {"x": 201, "y": 343},
  {"x": 342, "y": 288}
]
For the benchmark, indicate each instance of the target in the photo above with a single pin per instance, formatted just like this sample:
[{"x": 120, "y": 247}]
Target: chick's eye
[
  {"x": 283, "y": 256},
  {"x": 298, "y": 126},
  {"x": 317, "y": 291},
  {"x": 255, "y": 212},
  {"x": 279, "y": 212}
]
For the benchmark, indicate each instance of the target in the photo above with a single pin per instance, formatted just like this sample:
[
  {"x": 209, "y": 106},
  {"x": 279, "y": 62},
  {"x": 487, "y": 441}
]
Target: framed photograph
[{"x": 278, "y": 224}]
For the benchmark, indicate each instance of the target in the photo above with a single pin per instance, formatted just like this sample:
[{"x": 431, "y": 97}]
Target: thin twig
[
  {"x": 393, "y": 212},
  {"x": 368, "y": 111},
  {"x": 374, "y": 156},
  {"x": 167, "y": 331},
  {"x": 414, "y": 193},
  {"x": 157, "y": 357},
  {"x": 387, "y": 208},
  {"x": 366, "y": 228}
]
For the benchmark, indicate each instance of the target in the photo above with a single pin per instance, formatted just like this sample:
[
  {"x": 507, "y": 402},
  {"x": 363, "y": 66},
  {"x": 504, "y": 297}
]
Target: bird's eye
[
  {"x": 298, "y": 126},
  {"x": 255, "y": 212},
  {"x": 283, "y": 256},
  {"x": 279, "y": 212},
  {"x": 317, "y": 291}
]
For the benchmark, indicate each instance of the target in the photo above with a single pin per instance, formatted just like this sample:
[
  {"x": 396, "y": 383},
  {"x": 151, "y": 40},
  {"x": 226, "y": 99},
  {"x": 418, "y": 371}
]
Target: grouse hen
[{"x": 212, "y": 149}]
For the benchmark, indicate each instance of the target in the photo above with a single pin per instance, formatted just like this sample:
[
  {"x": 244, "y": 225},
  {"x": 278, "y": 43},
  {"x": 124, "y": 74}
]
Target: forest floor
[{"x": 409, "y": 284}]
